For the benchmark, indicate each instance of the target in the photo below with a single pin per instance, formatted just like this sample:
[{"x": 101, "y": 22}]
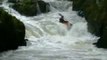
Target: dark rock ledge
[{"x": 12, "y": 32}]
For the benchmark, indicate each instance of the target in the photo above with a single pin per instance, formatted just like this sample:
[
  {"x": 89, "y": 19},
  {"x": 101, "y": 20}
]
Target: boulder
[
  {"x": 44, "y": 7},
  {"x": 1, "y": 1},
  {"x": 95, "y": 12},
  {"x": 12, "y": 32},
  {"x": 13, "y": 1},
  {"x": 31, "y": 7}
]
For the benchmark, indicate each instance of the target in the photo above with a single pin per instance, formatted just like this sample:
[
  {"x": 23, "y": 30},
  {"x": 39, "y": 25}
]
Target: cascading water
[
  {"x": 38, "y": 9},
  {"x": 51, "y": 40}
]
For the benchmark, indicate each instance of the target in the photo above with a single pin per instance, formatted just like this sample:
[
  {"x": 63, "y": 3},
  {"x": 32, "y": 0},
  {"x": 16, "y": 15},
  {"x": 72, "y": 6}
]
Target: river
[{"x": 51, "y": 40}]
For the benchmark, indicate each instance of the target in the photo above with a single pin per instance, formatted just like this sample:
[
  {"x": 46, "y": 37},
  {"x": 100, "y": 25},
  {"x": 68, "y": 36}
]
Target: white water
[{"x": 51, "y": 40}]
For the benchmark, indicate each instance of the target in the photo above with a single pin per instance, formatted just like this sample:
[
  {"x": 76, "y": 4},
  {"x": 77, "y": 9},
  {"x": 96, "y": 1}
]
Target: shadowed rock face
[
  {"x": 1, "y": 1},
  {"x": 12, "y": 32},
  {"x": 70, "y": 0},
  {"x": 13, "y": 1},
  {"x": 31, "y": 7},
  {"x": 95, "y": 12}
]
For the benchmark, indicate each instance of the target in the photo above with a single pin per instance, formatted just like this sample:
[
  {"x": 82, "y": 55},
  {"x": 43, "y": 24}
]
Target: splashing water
[{"x": 51, "y": 40}]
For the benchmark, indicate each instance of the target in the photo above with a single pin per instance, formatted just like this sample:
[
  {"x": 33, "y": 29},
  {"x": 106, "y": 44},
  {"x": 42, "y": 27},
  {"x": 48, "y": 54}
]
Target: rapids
[{"x": 51, "y": 40}]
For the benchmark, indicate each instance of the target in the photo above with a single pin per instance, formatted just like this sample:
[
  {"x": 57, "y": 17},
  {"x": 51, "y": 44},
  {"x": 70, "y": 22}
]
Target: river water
[{"x": 51, "y": 40}]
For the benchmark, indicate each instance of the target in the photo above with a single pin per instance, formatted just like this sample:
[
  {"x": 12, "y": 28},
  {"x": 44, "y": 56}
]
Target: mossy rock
[
  {"x": 13, "y": 1},
  {"x": 31, "y": 8},
  {"x": 12, "y": 32},
  {"x": 95, "y": 13},
  {"x": 26, "y": 8},
  {"x": 1, "y": 1}
]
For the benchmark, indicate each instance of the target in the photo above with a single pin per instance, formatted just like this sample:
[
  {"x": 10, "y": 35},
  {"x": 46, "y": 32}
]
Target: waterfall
[
  {"x": 38, "y": 9},
  {"x": 51, "y": 40}
]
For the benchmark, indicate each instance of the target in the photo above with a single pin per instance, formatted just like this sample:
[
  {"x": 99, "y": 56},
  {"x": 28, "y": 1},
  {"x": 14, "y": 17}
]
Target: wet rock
[
  {"x": 12, "y": 32},
  {"x": 81, "y": 13},
  {"x": 13, "y": 1},
  {"x": 95, "y": 12},
  {"x": 31, "y": 7},
  {"x": 44, "y": 7},
  {"x": 70, "y": 0},
  {"x": 1, "y": 1}
]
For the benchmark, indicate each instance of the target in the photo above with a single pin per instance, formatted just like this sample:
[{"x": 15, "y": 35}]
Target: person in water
[{"x": 62, "y": 20}]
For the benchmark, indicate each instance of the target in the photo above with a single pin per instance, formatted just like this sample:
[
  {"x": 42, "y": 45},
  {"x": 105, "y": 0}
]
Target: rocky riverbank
[{"x": 95, "y": 12}]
